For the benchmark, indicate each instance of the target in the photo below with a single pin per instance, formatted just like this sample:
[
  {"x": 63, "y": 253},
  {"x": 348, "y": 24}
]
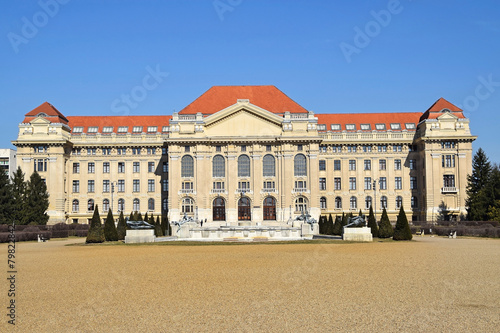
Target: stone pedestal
[
  {"x": 140, "y": 236},
  {"x": 362, "y": 234},
  {"x": 308, "y": 231}
]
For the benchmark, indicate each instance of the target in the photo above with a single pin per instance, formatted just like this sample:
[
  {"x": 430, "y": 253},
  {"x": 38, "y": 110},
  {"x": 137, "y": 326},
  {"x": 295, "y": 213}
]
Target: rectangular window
[
  {"x": 136, "y": 185},
  {"x": 397, "y": 148},
  {"x": 77, "y": 129},
  {"x": 218, "y": 185},
  {"x": 365, "y": 127},
  {"x": 321, "y": 127},
  {"x": 368, "y": 183},
  {"x": 136, "y": 167},
  {"x": 151, "y": 151},
  {"x": 218, "y": 149},
  {"x": 335, "y": 127},
  {"x": 398, "y": 185},
  {"x": 368, "y": 164},
  {"x": 105, "y": 185},
  {"x": 91, "y": 167},
  {"x": 268, "y": 147},
  {"x": 136, "y": 151},
  {"x": 151, "y": 166},
  {"x": 382, "y": 164},
  {"x": 76, "y": 167},
  {"x": 380, "y": 127},
  {"x": 91, "y": 186},
  {"x": 410, "y": 126},
  {"x": 165, "y": 167},
  {"x": 76, "y": 186},
  {"x": 121, "y": 151},
  {"x": 105, "y": 167},
  {"x": 107, "y": 129},
  {"x": 413, "y": 183},
  {"x": 137, "y": 129},
  {"x": 397, "y": 164},
  {"x": 92, "y": 129},
  {"x": 243, "y": 185},
  {"x": 76, "y": 151},
  {"x": 91, "y": 151},
  {"x": 448, "y": 144},
  {"x": 164, "y": 184},
  {"x": 350, "y": 127},
  {"x": 395, "y": 126},
  {"x": 322, "y": 184},
  {"x": 300, "y": 184},
  {"x": 352, "y": 165},
  {"x": 187, "y": 149},
  {"x": 448, "y": 161},
  {"x": 449, "y": 180},
  {"x": 322, "y": 149},
  {"x": 269, "y": 185},
  {"x": 367, "y": 149},
  {"x": 337, "y": 183},
  {"x": 121, "y": 185},
  {"x": 352, "y": 183},
  {"x": 413, "y": 164},
  {"x": 151, "y": 185},
  {"x": 382, "y": 148},
  {"x": 351, "y": 149},
  {"x": 299, "y": 147},
  {"x": 336, "y": 165},
  {"x": 383, "y": 183},
  {"x": 152, "y": 129},
  {"x": 106, "y": 151},
  {"x": 121, "y": 167},
  {"x": 322, "y": 165}
]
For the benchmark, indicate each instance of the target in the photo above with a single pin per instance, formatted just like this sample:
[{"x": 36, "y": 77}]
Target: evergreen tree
[
  {"x": 132, "y": 216},
  {"x": 121, "y": 229},
  {"x": 165, "y": 225},
  {"x": 18, "y": 195},
  {"x": 337, "y": 227},
  {"x": 146, "y": 218},
  {"x": 320, "y": 225},
  {"x": 402, "y": 230},
  {"x": 372, "y": 223},
  {"x": 360, "y": 213},
  {"x": 136, "y": 216},
  {"x": 6, "y": 199},
  {"x": 344, "y": 222},
  {"x": 110, "y": 232},
  {"x": 479, "y": 191},
  {"x": 139, "y": 217},
  {"x": 96, "y": 232},
  {"x": 494, "y": 207},
  {"x": 385, "y": 227},
  {"x": 329, "y": 228},
  {"x": 37, "y": 201},
  {"x": 158, "y": 231}
]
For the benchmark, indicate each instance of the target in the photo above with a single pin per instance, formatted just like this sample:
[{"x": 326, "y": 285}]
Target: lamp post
[
  {"x": 112, "y": 191},
  {"x": 375, "y": 198}
]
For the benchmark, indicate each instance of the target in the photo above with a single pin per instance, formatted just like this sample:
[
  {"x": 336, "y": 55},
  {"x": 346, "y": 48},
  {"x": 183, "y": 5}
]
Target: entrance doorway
[
  {"x": 244, "y": 213},
  {"x": 269, "y": 208},
  {"x": 219, "y": 209}
]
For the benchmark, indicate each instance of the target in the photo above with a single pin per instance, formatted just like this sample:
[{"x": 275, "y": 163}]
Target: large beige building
[{"x": 249, "y": 155}]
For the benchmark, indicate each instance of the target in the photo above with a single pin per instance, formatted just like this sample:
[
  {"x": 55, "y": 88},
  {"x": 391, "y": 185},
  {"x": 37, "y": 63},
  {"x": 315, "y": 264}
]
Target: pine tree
[
  {"x": 110, "y": 232},
  {"x": 132, "y": 217},
  {"x": 146, "y": 218},
  {"x": 479, "y": 192},
  {"x": 372, "y": 223},
  {"x": 6, "y": 199},
  {"x": 158, "y": 231},
  {"x": 121, "y": 229},
  {"x": 37, "y": 201},
  {"x": 337, "y": 227},
  {"x": 385, "y": 227},
  {"x": 19, "y": 196},
  {"x": 96, "y": 232},
  {"x": 402, "y": 230}
]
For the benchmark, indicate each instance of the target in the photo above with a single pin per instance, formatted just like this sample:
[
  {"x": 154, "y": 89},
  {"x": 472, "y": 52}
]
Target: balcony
[
  {"x": 300, "y": 190},
  {"x": 217, "y": 191},
  {"x": 449, "y": 189},
  {"x": 268, "y": 190},
  {"x": 187, "y": 191},
  {"x": 243, "y": 190}
]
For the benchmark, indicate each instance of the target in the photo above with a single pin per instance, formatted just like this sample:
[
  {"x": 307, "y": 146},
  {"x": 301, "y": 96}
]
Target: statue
[
  {"x": 356, "y": 222},
  {"x": 139, "y": 225},
  {"x": 305, "y": 217},
  {"x": 184, "y": 219}
]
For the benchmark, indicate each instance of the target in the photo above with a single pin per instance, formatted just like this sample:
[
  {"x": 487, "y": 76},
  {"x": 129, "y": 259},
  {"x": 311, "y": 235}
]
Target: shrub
[
  {"x": 385, "y": 228},
  {"x": 110, "y": 233},
  {"x": 158, "y": 231},
  {"x": 372, "y": 224},
  {"x": 121, "y": 229},
  {"x": 337, "y": 226},
  {"x": 96, "y": 232},
  {"x": 60, "y": 226},
  {"x": 59, "y": 233},
  {"x": 402, "y": 230},
  {"x": 81, "y": 233}
]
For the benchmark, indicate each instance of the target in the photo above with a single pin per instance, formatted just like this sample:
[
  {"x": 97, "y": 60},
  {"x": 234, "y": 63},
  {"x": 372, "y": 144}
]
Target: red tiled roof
[
  {"x": 369, "y": 118},
  {"x": 53, "y": 115},
  {"x": 435, "y": 110},
  {"x": 117, "y": 121},
  {"x": 218, "y": 98}
]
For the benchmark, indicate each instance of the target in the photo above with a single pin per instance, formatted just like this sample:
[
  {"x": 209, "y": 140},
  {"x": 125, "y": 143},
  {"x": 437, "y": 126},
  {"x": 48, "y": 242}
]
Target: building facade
[
  {"x": 249, "y": 155},
  {"x": 8, "y": 161}
]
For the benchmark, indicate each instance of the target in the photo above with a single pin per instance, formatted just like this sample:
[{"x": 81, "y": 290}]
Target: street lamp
[
  {"x": 375, "y": 198},
  {"x": 112, "y": 191}
]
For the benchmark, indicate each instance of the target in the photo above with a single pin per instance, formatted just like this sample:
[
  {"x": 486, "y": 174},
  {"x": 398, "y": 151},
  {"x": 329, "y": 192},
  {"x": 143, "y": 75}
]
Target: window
[
  {"x": 78, "y": 129},
  {"x": 164, "y": 185},
  {"x": 382, "y": 148},
  {"x": 322, "y": 184},
  {"x": 365, "y": 127},
  {"x": 243, "y": 148},
  {"x": 75, "y": 206},
  {"x": 322, "y": 203},
  {"x": 187, "y": 166},
  {"x": 397, "y": 148},
  {"x": 449, "y": 180},
  {"x": 151, "y": 185},
  {"x": 336, "y": 165},
  {"x": 300, "y": 147},
  {"x": 413, "y": 164},
  {"x": 165, "y": 204},
  {"x": 268, "y": 166},
  {"x": 367, "y": 149},
  {"x": 105, "y": 185},
  {"x": 322, "y": 165},
  {"x": 151, "y": 166},
  {"x": 151, "y": 204},
  {"x": 395, "y": 126},
  {"x": 76, "y": 151},
  {"x": 90, "y": 205},
  {"x": 91, "y": 167},
  {"x": 151, "y": 151},
  {"x": 383, "y": 202},
  {"x": 353, "y": 203},
  {"x": 121, "y": 167},
  {"x": 136, "y": 185},
  {"x": 137, "y": 129},
  {"x": 121, "y": 185},
  {"x": 337, "y": 183},
  {"x": 351, "y": 149},
  {"x": 165, "y": 167},
  {"x": 447, "y": 144},
  {"x": 152, "y": 129},
  {"x": 76, "y": 186},
  {"x": 397, "y": 164},
  {"x": 413, "y": 183},
  {"x": 383, "y": 183},
  {"x": 414, "y": 202},
  {"x": 368, "y": 183},
  {"x": 410, "y": 126},
  {"x": 300, "y": 204},
  {"x": 121, "y": 151},
  {"x": 91, "y": 186},
  {"x": 218, "y": 185},
  {"x": 244, "y": 186},
  {"x": 187, "y": 185},
  {"x": 136, "y": 167},
  {"x": 243, "y": 166},
  {"x": 350, "y": 127},
  {"x": 321, "y": 127},
  {"x": 136, "y": 151},
  {"x": 105, "y": 205},
  {"x": 300, "y": 168},
  {"x": 399, "y": 202},
  {"x": 352, "y": 165},
  {"x": 121, "y": 205},
  {"x": 76, "y": 167},
  {"x": 164, "y": 129},
  {"x": 352, "y": 183},
  {"x": 322, "y": 149},
  {"x": 398, "y": 183},
  {"x": 268, "y": 147},
  {"x": 448, "y": 161},
  {"x": 380, "y": 127},
  {"x": 368, "y": 202},
  {"x": 300, "y": 185},
  {"x": 338, "y": 203},
  {"x": 218, "y": 166},
  {"x": 106, "y": 151},
  {"x": 269, "y": 185},
  {"x": 40, "y": 164},
  {"x": 136, "y": 205},
  {"x": 164, "y": 151},
  {"x": 335, "y": 127},
  {"x": 382, "y": 164},
  {"x": 187, "y": 205},
  {"x": 107, "y": 129},
  {"x": 368, "y": 164},
  {"x": 92, "y": 129},
  {"x": 91, "y": 151}
]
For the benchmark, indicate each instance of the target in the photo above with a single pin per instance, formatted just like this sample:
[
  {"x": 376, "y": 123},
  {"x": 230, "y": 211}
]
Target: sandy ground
[{"x": 427, "y": 285}]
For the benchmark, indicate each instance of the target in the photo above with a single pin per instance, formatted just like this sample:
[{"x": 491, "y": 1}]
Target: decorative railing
[{"x": 449, "y": 189}]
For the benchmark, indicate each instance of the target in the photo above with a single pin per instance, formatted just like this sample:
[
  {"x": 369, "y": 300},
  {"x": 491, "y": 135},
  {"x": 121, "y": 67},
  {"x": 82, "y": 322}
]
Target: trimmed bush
[
  {"x": 96, "y": 232},
  {"x": 158, "y": 231},
  {"x": 110, "y": 233},
  {"x": 122, "y": 227},
  {"x": 337, "y": 226},
  {"x": 165, "y": 225},
  {"x": 402, "y": 230},
  {"x": 372, "y": 224},
  {"x": 385, "y": 228}
]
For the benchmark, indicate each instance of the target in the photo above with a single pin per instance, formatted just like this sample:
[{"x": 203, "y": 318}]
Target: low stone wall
[{"x": 362, "y": 234}]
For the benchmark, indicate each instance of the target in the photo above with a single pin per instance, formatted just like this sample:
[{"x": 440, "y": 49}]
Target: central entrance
[
  {"x": 269, "y": 208},
  {"x": 219, "y": 209},
  {"x": 244, "y": 213}
]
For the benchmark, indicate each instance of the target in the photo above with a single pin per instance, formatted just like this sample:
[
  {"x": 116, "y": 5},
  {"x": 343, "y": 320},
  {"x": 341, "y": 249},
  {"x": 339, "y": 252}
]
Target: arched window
[
  {"x": 300, "y": 204},
  {"x": 299, "y": 165},
  {"x": 121, "y": 205},
  {"x": 105, "y": 205},
  {"x": 187, "y": 205},
  {"x": 151, "y": 204},
  {"x": 368, "y": 202},
  {"x": 136, "y": 205},
  {"x": 218, "y": 166},
  {"x": 414, "y": 202},
  {"x": 90, "y": 205},
  {"x": 383, "y": 202},
  {"x": 322, "y": 203},
  {"x": 76, "y": 205},
  {"x": 353, "y": 202},
  {"x": 268, "y": 166},
  {"x": 338, "y": 203},
  {"x": 187, "y": 166},
  {"x": 243, "y": 166},
  {"x": 399, "y": 202}
]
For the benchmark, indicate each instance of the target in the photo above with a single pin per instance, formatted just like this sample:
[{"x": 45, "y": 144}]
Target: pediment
[
  {"x": 447, "y": 116},
  {"x": 40, "y": 121}
]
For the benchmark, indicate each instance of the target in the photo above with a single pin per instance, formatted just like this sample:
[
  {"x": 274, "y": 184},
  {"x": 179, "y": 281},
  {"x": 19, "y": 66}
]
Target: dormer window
[
  {"x": 152, "y": 129},
  {"x": 78, "y": 129},
  {"x": 365, "y": 127},
  {"x": 395, "y": 126},
  {"x": 41, "y": 114},
  {"x": 350, "y": 127},
  {"x": 122, "y": 129},
  {"x": 107, "y": 129},
  {"x": 410, "y": 126},
  {"x": 137, "y": 129},
  {"x": 321, "y": 127},
  {"x": 380, "y": 127},
  {"x": 336, "y": 127},
  {"x": 92, "y": 129},
  {"x": 164, "y": 129},
  {"x": 445, "y": 110}
]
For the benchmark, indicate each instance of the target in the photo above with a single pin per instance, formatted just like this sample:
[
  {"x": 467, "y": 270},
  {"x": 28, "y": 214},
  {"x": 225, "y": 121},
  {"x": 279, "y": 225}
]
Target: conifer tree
[
  {"x": 18, "y": 195},
  {"x": 121, "y": 229},
  {"x": 402, "y": 230},
  {"x": 329, "y": 229},
  {"x": 360, "y": 213},
  {"x": 158, "y": 231},
  {"x": 37, "y": 201},
  {"x": 139, "y": 217},
  {"x": 6, "y": 199},
  {"x": 372, "y": 224},
  {"x": 337, "y": 227},
  {"x": 344, "y": 222},
  {"x": 96, "y": 232},
  {"x": 165, "y": 225},
  {"x": 146, "y": 217},
  {"x": 110, "y": 232},
  {"x": 320, "y": 225},
  {"x": 385, "y": 228},
  {"x": 479, "y": 192},
  {"x": 132, "y": 217}
]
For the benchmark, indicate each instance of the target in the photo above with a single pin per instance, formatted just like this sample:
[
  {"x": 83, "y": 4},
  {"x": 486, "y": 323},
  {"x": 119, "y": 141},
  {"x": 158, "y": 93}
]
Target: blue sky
[{"x": 329, "y": 56}]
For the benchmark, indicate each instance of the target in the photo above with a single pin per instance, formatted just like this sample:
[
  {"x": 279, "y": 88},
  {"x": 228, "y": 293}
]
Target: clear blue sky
[{"x": 82, "y": 56}]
